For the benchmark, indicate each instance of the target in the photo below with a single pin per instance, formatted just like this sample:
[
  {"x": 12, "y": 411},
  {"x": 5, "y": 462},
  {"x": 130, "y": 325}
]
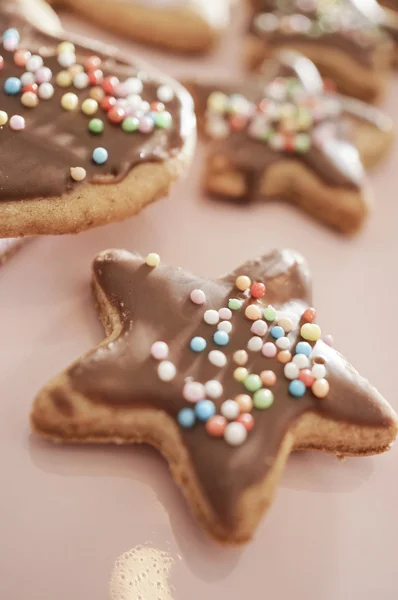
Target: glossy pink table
[{"x": 67, "y": 513}]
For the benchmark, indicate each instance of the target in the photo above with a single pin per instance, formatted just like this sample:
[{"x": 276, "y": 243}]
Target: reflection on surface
[{"x": 141, "y": 574}]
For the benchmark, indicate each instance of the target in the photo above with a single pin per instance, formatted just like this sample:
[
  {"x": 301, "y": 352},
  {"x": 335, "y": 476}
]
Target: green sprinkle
[
  {"x": 252, "y": 383},
  {"x": 163, "y": 119},
  {"x": 234, "y": 304},
  {"x": 302, "y": 142},
  {"x": 269, "y": 313},
  {"x": 96, "y": 126},
  {"x": 263, "y": 399},
  {"x": 130, "y": 124}
]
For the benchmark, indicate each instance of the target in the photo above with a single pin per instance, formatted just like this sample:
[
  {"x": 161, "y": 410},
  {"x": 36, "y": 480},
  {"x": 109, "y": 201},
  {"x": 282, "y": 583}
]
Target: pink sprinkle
[
  {"x": 17, "y": 122},
  {"x": 259, "y": 327},
  {"x": 198, "y": 297},
  {"x": 269, "y": 350},
  {"x": 225, "y": 314},
  {"x": 10, "y": 43},
  {"x": 43, "y": 75},
  {"x": 146, "y": 125},
  {"x": 328, "y": 339},
  {"x": 193, "y": 391},
  {"x": 121, "y": 90},
  {"x": 160, "y": 350}
]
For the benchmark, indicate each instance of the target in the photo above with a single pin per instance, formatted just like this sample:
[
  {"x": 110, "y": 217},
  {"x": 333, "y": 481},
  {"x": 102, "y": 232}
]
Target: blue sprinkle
[
  {"x": 204, "y": 409},
  {"x": 100, "y": 155},
  {"x": 221, "y": 338},
  {"x": 303, "y": 348},
  {"x": 11, "y": 33},
  {"x": 277, "y": 332},
  {"x": 12, "y": 86},
  {"x": 297, "y": 388},
  {"x": 186, "y": 418},
  {"x": 198, "y": 344}
]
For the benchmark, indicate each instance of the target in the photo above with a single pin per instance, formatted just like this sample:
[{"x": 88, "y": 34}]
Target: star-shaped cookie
[
  {"x": 285, "y": 135},
  {"x": 342, "y": 37},
  {"x": 224, "y": 377},
  {"x": 88, "y": 136}
]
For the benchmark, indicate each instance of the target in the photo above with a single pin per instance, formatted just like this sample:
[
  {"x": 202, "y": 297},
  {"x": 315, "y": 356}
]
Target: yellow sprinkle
[
  {"x": 3, "y": 117},
  {"x": 240, "y": 374},
  {"x": 65, "y": 47},
  {"x": 243, "y": 283},
  {"x": 152, "y": 260},
  {"x": 310, "y": 332},
  {"x": 69, "y": 101},
  {"x": 89, "y": 106},
  {"x": 217, "y": 101},
  {"x": 64, "y": 79}
]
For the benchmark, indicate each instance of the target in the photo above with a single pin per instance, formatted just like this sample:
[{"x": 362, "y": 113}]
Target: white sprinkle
[
  {"x": 160, "y": 350},
  {"x": 166, "y": 370},
  {"x": 67, "y": 59},
  {"x": 165, "y": 93},
  {"x": 225, "y": 326},
  {"x": 259, "y": 327},
  {"x": 211, "y": 317},
  {"x": 318, "y": 371},
  {"x": 235, "y": 434},
  {"x": 27, "y": 78},
  {"x": 301, "y": 360},
  {"x": 283, "y": 343},
  {"x": 45, "y": 91},
  {"x": 133, "y": 85},
  {"x": 217, "y": 358},
  {"x": 225, "y": 314},
  {"x": 255, "y": 344},
  {"x": 80, "y": 81},
  {"x": 78, "y": 173},
  {"x": 34, "y": 62},
  {"x": 230, "y": 409},
  {"x": 214, "y": 389},
  {"x": 198, "y": 297},
  {"x": 291, "y": 370}
]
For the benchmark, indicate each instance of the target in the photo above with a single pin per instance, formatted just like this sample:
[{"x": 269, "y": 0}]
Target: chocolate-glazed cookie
[
  {"x": 344, "y": 40},
  {"x": 225, "y": 377},
  {"x": 285, "y": 135},
  {"x": 87, "y": 137}
]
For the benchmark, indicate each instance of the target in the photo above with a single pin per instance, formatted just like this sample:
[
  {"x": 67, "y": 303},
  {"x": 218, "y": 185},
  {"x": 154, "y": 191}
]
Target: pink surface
[{"x": 67, "y": 513}]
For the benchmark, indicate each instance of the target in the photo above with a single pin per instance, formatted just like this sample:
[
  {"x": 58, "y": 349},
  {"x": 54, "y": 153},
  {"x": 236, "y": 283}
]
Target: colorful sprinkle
[
  {"x": 269, "y": 350},
  {"x": 286, "y": 324},
  {"x": 159, "y": 350},
  {"x": 34, "y": 63},
  {"x": 45, "y": 91},
  {"x": 20, "y": 57},
  {"x": 297, "y": 388},
  {"x": 198, "y": 297},
  {"x": 12, "y": 86},
  {"x": 255, "y": 344},
  {"x": 303, "y": 348},
  {"x": 152, "y": 259},
  {"x": 240, "y": 373},
  {"x": 130, "y": 124},
  {"x": 64, "y": 79},
  {"x": 78, "y": 173},
  {"x": 89, "y": 106},
  {"x": 215, "y": 426},
  {"x": 284, "y": 356},
  {"x": 318, "y": 371},
  {"x": 225, "y": 314},
  {"x": 257, "y": 290},
  {"x": 204, "y": 409},
  {"x": 214, "y": 389},
  {"x": 186, "y": 418},
  {"x": 66, "y": 47},
  {"x": 253, "y": 312},
  {"x": 166, "y": 370},
  {"x": 263, "y": 399},
  {"x": 283, "y": 343},
  {"x": 269, "y": 313},
  {"x": 100, "y": 155},
  {"x": 198, "y": 344},
  {"x": 3, "y": 117},
  {"x": 259, "y": 327},
  {"x": 116, "y": 114},
  {"x": 29, "y": 99},
  {"x": 309, "y": 315},
  {"x": 310, "y": 332},
  {"x": 240, "y": 357},
  {"x": 246, "y": 420},
  {"x": 193, "y": 391},
  {"x": 217, "y": 358},
  {"x": 230, "y": 409},
  {"x": 235, "y": 434},
  {"x": 252, "y": 383},
  {"x": 235, "y": 304},
  {"x": 320, "y": 388},
  {"x": 69, "y": 101},
  {"x": 243, "y": 283},
  {"x": 306, "y": 376},
  {"x": 17, "y": 123},
  {"x": 43, "y": 75},
  {"x": 96, "y": 126},
  {"x": 277, "y": 332},
  {"x": 291, "y": 371},
  {"x": 245, "y": 402},
  {"x": 146, "y": 124},
  {"x": 225, "y": 326},
  {"x": 165, "y": 93},
  {"x": 221, "y": 338},
  {"x": 301, "y": 360},
  {"x": 211, "y": 317},
  {"x": 268, "y": 378}
]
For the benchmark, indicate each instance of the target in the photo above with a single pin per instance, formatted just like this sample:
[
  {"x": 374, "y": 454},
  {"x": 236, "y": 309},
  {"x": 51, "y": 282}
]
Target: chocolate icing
[
  {"x": 361, "y": 51},
  {"x": 154, "y": 304},
  {"x": 36, "y": 161},
  {"x": 335, "y": 161}
]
